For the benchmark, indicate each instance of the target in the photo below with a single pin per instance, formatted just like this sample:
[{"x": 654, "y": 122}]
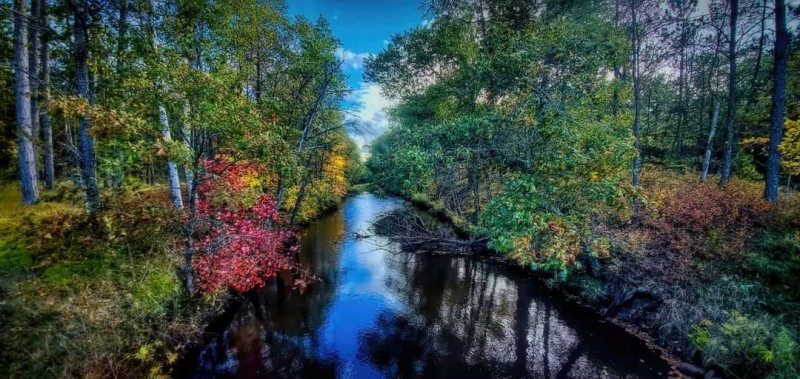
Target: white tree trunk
[{"x": 172, "y": 168}]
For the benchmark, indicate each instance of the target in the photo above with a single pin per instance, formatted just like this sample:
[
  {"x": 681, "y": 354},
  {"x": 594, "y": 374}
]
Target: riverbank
[
  {"x": 110, "y": 302},
  {"x": 707, "y": 282},
  {"x": 379, "y": 312}
]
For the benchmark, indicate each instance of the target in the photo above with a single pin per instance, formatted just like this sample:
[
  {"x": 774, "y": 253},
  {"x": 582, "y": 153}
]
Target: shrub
[
  {"x": 744, "y": 344},
  {"x": 244, "y": 245},
  {"x": 519, "y": 225},
  {"x": 706, "y": 218},
  {"x": 156, "y": 291}
]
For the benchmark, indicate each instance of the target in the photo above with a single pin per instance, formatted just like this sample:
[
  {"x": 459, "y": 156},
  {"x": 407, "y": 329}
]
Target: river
[{"x": 379, "y": 312}]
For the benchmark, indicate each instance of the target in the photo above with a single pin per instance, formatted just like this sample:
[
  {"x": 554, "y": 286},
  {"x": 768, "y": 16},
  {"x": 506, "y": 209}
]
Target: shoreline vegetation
[
  {"x": 154, "y": 157},
  {"x": 634, "y": 295},
  {"x": 580, "y": 141},
  {"x": 103, "y": 302}
]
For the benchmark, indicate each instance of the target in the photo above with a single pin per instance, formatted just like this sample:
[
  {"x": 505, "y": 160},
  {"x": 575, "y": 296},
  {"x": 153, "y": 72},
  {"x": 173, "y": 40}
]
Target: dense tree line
[
  {"x": 629, "y": 151},
  {"x": 108, "y": 95},
  {"x": 512, "y": 110}
]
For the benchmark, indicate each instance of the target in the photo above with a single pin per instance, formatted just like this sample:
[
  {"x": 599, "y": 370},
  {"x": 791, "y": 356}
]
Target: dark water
[{"x": 378, "y": 312}]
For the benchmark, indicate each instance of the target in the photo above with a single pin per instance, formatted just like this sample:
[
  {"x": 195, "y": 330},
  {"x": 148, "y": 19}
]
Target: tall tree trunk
[
  {"x": 710, "y": 143},
  {"x": 681, "y": 94},
  {"x": 172, "y": 168},
  {"x": 86, "y": 141},
  {"x": 28, "y": 173},
  {"x": 760, "y": 50},
  {"x": 727, "y": 165},
  {"x": 636, "y": 93},
  {"x": 44, "y": 91},
  {"x": 163, "y": 122},
  {"x": 118, "y": 176},
  {"x": 188, "y": 270},
  {"x": 186, "y": 137},
  {"x": 778, "y": 101},
  {"x": 33, "y": 73}
]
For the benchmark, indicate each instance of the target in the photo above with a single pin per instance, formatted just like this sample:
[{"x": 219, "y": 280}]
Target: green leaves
[{"x": 514, "y": 120}]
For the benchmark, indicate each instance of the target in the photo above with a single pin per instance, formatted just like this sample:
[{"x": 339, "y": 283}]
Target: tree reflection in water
[{"x": 380, "y": 312}]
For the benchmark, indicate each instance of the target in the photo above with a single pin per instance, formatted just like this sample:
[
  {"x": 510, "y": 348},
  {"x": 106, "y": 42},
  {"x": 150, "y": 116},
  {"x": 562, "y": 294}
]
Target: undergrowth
[{"x": 77, "y": 302}]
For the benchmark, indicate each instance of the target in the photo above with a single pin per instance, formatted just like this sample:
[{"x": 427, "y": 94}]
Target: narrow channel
[{"x": 379, "y": 312}]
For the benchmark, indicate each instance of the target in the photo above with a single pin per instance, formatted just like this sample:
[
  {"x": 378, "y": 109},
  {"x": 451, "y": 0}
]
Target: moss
[
  {"x": 59, "y": 274},
  {"x": 156, "y": 292},
  {"x": 14, "y": 258}
]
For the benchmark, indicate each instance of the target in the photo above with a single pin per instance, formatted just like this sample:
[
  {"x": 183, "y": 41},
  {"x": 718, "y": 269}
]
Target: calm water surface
[{"x": 379, "y": 312}]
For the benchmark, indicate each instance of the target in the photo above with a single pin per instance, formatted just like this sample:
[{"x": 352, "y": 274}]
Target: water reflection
[{"x": 377, "y": 312}]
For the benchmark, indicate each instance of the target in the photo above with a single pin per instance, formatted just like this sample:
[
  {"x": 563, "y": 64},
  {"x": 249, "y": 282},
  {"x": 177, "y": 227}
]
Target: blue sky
[{"x": 364, "y": 27}]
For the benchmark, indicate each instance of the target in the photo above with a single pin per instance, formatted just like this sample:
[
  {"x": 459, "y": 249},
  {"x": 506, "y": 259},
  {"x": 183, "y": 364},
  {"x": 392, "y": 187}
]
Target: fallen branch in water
[{"x": 415, "y": 232}]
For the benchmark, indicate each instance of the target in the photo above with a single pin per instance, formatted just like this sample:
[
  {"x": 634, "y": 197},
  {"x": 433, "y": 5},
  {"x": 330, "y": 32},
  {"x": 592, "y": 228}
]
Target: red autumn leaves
[{"x": 245, "y": 244}]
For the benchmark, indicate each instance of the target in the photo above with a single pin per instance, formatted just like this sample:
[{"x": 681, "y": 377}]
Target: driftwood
[{"x": 418, "y": 232}]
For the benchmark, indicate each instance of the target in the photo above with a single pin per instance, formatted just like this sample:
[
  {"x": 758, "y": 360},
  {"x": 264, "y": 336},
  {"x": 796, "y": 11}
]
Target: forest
[
  {"x": 640, "y": 154},
  {"x": 160, "y": 159},
  {"x": 147, "y": 138}
]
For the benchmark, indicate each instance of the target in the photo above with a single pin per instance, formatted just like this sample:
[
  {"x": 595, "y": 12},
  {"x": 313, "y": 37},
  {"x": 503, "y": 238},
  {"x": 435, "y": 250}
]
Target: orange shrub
[{"x": 708, "y": 219}]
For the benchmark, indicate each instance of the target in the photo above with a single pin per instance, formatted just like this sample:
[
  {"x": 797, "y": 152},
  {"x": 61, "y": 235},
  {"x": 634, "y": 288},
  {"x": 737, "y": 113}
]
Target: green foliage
[
  {"x": 744, "y": 167},
  {"x": 759, "y": 344},
  {"x": 774, "y": 258},
  {"x": 157, "y": 292},
  {"x": 519, "y": 118},
  {"x": 521, "y": 225}
]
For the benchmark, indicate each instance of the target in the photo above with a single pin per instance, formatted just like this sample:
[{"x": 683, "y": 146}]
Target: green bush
[
  {"x": 744, "y": 167},
  {"x": 760, "y": 346},
  {"x": 157, "y": 291}
]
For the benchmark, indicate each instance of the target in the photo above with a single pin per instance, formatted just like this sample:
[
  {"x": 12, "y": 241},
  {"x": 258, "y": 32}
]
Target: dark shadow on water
[{"x": 379, "y": 312}]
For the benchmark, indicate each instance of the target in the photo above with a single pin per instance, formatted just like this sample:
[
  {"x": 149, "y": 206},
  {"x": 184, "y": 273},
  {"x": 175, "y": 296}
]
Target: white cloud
[
  {"x": 350, "y": 58},
  {"x": 369, "y": 120}
]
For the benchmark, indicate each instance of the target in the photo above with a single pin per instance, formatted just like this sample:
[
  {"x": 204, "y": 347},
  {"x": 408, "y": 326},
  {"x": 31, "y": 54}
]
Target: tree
[
  {"x": 778, "y": 102},
  {"x": 28, "y": 171},
  {"x": 727, "y": 165},
  {"x": 44, "y": 94},
  {"x": 636, "y": 45},
  {"x": 163, "y": 119},
  {"x": 33, "y": 71},
  {"x": 710, "y": 143},
  {"x": 80, "y": 9},
  {"x": 241, "y": 250}
]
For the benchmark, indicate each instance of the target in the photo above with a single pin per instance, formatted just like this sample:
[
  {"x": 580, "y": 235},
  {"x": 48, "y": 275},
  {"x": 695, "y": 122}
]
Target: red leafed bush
[
  {"x": 244, "y": 245},
  {"x": 706, "y": 218}
]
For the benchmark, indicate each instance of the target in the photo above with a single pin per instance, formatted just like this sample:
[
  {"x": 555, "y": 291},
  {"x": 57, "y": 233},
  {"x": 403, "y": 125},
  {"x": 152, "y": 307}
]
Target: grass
[{"x": 82, "y": 303}]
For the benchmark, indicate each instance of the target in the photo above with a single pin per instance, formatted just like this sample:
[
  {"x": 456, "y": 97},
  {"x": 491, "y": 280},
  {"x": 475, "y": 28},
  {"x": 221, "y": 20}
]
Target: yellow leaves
[
  {"x": 755, "y": 141},
  {"x": 790, "y": 146},
  {"x": 335, "y": 168},
  {"x": 103, "y": 122}
]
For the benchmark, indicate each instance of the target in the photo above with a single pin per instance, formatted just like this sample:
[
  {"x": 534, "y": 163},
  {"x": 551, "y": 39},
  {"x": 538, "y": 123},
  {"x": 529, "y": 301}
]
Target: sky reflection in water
[{"x": 378, "y": 312}]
